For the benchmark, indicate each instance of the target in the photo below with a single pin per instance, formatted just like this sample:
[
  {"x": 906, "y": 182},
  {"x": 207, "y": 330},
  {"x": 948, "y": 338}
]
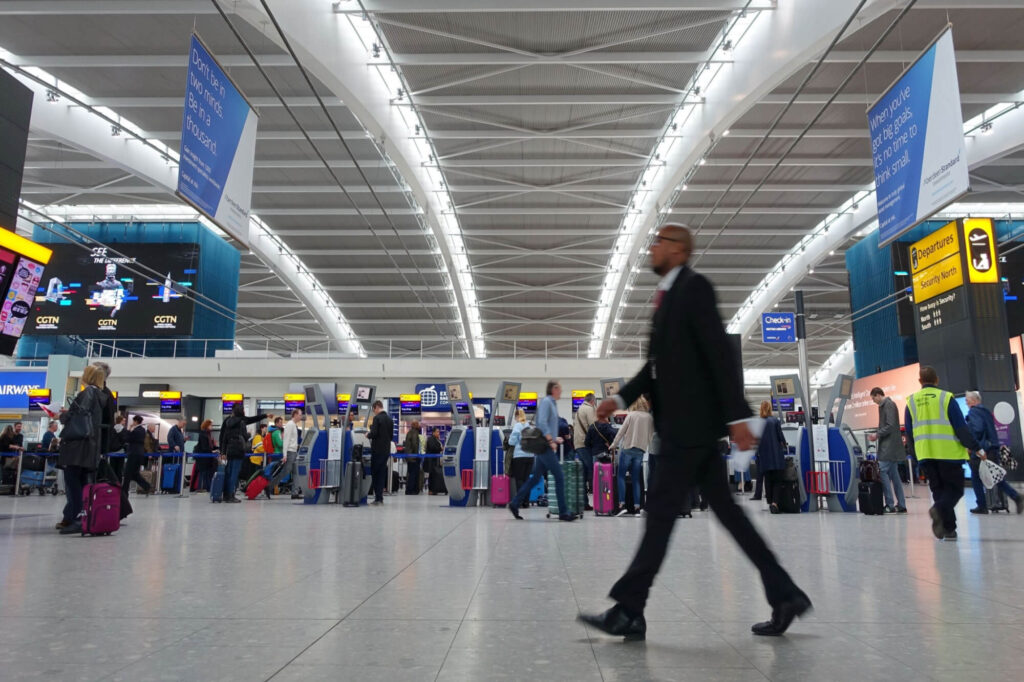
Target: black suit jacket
[
  {"x": 381, "y": 432},
  {"x": 691, "y": 373}
]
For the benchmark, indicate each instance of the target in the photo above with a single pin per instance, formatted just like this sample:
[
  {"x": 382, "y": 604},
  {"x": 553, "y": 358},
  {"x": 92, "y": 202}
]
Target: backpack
[
  {"x": 869, "y": 471},
  {"x": 268, "y": 443}
]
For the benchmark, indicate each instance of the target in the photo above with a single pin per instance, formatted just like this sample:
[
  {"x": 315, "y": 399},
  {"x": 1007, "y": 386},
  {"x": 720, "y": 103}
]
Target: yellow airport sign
[
  {"x": 937, "y": 279},
  {"x": 980, "y": 249},
  {"x": 939, "y": 245}
]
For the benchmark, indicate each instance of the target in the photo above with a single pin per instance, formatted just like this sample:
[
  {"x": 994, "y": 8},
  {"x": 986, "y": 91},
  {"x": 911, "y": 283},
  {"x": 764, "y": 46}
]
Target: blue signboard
[
  {"x": 433, "y": 397},
  {"x": 218, "y": 144},
  {"x": 917, "y": 142},
  {"x": 14, "y": 388},
  {"x": 778, "y": 328}
]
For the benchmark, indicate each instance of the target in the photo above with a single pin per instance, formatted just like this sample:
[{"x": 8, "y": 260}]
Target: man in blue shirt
[
  {"x": 547, "y": 422},
  {"x": 983, "y": 428}
]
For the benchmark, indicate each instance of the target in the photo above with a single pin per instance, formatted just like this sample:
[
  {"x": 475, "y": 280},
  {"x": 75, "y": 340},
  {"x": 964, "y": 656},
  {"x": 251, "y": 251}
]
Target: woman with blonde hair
[
  {"x": 632, "y": 441},
  {"x": 522, "y": 461},
  {"x": 80, "y": 451}
]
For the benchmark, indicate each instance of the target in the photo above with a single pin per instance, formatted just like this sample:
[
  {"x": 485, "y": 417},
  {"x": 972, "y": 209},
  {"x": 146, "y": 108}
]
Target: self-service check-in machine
[
  {"x": 826, "y": 458},
  {"x": 361, "y": 400},
  {"x": 459, "y": 449},
  {"x": 312, "y": 467},
  {"x": 488, "y": 451}
]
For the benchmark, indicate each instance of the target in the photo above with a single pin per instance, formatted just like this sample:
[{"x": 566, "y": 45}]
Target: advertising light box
[
  {"x": 37, "y": 397},
  {"x": 228, "y": 400},
  {"x": 170, "y": 402},
  {"x": 410, "y": 403},
  {"x": 294, "y": 401},
  {"x": 139, "y": 291},
  {"x": 21, "y": 268}
]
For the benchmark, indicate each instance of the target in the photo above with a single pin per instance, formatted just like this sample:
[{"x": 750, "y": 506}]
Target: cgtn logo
[
  {"x": 107, "y": 323},
  {"x": 165, "y": 321},
  {"x": 47, "y": 321}
]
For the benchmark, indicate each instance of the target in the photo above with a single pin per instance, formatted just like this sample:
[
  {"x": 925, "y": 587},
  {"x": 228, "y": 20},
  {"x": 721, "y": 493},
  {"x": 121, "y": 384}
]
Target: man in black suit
[
  {"x": 697, "y": 392},
  {"x": 381, "y": 433}
]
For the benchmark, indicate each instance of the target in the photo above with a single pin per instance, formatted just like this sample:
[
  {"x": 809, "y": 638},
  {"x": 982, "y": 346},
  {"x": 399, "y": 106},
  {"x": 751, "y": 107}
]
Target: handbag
[
  {"x": 990, "y": 473},
  {"x": 77, "y": 421},
  {"x": 1006, "y": 459},
  {"x": 532, "y": 440}
]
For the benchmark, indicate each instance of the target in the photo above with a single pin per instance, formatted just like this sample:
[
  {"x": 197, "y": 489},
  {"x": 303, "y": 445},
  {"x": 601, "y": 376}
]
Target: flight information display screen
[{"x": 140, "y": 290}]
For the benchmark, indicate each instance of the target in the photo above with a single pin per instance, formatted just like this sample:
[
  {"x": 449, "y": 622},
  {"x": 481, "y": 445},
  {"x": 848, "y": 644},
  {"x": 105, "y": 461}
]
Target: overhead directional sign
[
  {"x": 778, "y": 328},
  {"x": 917, "y": 142},
  {"x": 218, "y": 144}
]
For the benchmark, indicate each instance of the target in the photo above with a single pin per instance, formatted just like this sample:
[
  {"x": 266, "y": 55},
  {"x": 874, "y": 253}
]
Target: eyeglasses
[{"x": 658, "y": 239}]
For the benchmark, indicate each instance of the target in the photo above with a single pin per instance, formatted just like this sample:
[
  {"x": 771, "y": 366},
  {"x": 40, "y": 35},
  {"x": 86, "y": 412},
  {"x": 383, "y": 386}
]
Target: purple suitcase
[
  {"x": 101, "y": 509},
  {"x": 604, "y": 488}
]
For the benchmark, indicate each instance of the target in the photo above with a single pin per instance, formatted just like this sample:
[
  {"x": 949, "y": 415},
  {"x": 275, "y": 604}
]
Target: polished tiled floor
[{"x": 417, "y": 591}]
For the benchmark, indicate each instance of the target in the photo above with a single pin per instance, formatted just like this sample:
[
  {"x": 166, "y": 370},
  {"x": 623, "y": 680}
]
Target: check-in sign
[{"x": 778, "y": 328}]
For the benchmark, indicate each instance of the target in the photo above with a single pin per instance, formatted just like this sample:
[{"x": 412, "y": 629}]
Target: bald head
[{"x": 671, "y": 248}]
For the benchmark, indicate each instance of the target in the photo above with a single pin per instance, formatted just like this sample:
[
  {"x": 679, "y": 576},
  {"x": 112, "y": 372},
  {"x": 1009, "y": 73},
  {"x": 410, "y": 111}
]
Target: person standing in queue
[
  {"x": 411, "y": 448},
  {"x": 435, "y": 484},
  {"x": 632, "y": 441},
  {"x": 233, "y": 441},
  {"x": 289, "y": 453},
  {"x": 581, "y": 421},
  {"x": 890, "y": 451},
  {"x": 80, "y": 457},
  {"x": 937, "y": 434},
  {"x": 547, "y": 422},
  {"x": 381, "y": 431},
  {"x": 688, "y": 347},
  {"x": 205, "y": 466},
  {"x": 135, "y": 451},
  {"x": 771, "y": 455},
  {"x": 522, "y": 461},
  {"x": 983, "y": 426}
]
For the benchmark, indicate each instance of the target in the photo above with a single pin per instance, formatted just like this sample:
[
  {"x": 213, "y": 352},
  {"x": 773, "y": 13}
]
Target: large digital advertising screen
[{"x": 97, "y": 291}]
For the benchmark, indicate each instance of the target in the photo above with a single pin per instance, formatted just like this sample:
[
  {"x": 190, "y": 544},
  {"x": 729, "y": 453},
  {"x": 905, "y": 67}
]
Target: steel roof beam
[
  {"x": 460, "y": 6},
  {"x": 613, "y": 99}
]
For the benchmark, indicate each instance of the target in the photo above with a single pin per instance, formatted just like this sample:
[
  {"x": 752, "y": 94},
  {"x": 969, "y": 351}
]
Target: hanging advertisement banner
[
  {"x": 917, "y": 142},
  {"x": 218, "y": 145}
]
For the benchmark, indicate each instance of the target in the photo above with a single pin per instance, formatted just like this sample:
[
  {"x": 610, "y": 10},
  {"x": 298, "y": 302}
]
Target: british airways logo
[{"x": 17, "y": 389}]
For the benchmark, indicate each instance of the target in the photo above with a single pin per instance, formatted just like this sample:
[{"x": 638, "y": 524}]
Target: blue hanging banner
[
  {"x": 778, "y": 328},
  {"x": 917, "y": 142},
  {"x": 218, "y": 145}
]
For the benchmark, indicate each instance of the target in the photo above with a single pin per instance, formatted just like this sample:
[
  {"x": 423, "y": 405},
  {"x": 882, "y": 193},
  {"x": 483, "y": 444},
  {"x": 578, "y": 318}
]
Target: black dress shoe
[
  {"x": 615, "y": 621},
  {"x": 783, "y": 615},
  {"x": 515, "y": 511},
  {"x": 566, "y": 517},
  {"x": 938, "y": 527}
]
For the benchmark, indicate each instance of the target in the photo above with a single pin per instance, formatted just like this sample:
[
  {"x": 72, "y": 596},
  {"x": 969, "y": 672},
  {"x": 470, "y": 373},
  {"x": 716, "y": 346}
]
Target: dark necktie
[{"x": 659, "y": 295}]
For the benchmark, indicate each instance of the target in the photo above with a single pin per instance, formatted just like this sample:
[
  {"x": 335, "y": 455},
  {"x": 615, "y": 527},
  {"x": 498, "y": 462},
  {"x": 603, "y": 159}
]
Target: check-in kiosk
[
  {"x": 488, "y": 451},
  {"x": 311, "y": 468},
  {"x": 827, "y": 457},
  {"x": 355, "y": 409},
  {"x": 456, "y": 458}
]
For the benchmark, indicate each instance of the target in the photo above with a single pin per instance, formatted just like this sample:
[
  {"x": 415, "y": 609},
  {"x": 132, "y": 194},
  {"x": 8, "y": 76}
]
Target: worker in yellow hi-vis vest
[{"x": 938, "y": 435}]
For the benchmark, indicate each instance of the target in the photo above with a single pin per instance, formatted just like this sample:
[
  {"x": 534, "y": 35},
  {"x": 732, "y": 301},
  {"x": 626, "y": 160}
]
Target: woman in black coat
[
  {"x": 234, "y": 443},
  {"x": 205, "y": 466},
  {"x": 771, "y": 455},
  {"x": 434, "y": 446},
  {"x": 79, "y": 457}
]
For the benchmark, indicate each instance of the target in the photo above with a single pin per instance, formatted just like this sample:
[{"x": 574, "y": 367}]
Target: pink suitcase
[
  {"x": 500, "y": 491},
  {"x": 604, "y": 487},
  {"x": 101, "y": 509}
]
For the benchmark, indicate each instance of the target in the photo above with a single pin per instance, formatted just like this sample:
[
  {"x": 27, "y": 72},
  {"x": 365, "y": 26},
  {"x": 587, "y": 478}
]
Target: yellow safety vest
[{"x": 934, "y": 437}]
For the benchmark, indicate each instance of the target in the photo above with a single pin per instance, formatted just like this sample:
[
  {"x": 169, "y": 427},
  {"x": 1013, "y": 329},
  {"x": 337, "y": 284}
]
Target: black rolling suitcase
[
  {"x": 352, "y": 481},
  {"x": 787, "y": 497},
  {"x": 869, "y": 498}
]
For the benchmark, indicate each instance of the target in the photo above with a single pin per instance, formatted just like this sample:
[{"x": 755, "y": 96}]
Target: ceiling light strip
[{"x": 696, "y": 91}]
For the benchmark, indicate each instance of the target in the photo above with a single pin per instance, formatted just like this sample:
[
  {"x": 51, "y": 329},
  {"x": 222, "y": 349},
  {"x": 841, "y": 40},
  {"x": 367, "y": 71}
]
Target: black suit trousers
[
  {"x": 667, "y": 497},
  {"x": 379, "y": 472}
]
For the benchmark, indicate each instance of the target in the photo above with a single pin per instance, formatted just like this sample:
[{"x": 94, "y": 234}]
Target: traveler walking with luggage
[
  {"x": 547, "y": 422},
  {"x": 983, "y": 428},
  {"x": 938, "y": 434},
  {"x": 889, "y": 451},
  {"x": 234, "y": 441},
  {"x": 435, "y": 486},
  {"x": 80, "y": 446},
  {"x": 771, "y": 455},
  {"x": 205, "y": 466},
  {"x": 381, "y": 432},
  {"x": 688, "y": 348},
  {"x": 135, "y": 449},
  {"x": 631, "y": 442},
  {"x": 411, "y": 448},
  {"x": 289, "y": 452},
  {"x": 522, "y": 461}
]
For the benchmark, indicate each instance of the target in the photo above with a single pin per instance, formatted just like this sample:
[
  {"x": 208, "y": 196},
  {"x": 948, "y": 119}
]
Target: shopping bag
[{"x": 991, "y": 473}]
